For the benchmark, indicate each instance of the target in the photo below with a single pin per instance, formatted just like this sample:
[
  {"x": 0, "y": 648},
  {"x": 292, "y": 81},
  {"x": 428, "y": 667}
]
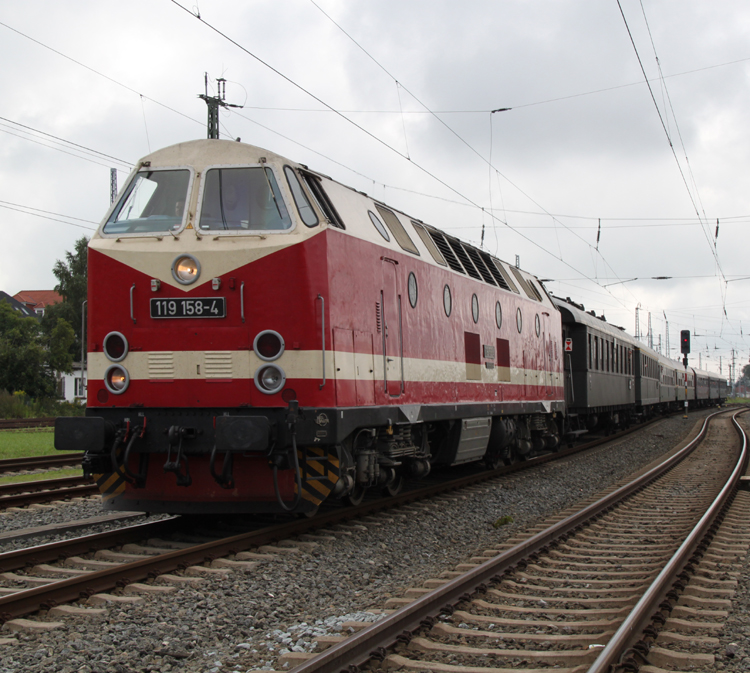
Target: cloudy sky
[{"x": 597, "y": 180}]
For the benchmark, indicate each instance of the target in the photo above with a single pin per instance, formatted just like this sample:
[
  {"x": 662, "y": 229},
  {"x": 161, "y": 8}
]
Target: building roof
[
  {"x": 38, "y": 298},
  {"x": 24, "y": 310}
]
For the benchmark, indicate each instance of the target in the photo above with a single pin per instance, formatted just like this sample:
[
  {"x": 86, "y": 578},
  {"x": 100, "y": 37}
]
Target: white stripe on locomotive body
[{"x": 182, "y": 365}]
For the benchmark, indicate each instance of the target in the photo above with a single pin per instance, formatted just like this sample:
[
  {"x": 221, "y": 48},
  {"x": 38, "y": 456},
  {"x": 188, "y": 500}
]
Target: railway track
[
  {"x": 50, "y": 575},
  {"x": 639, "y": 578},
  {"x": 104, "y": 562},
  {"x": 40, "y": 462},
  {"x": 22, "y": 494}
]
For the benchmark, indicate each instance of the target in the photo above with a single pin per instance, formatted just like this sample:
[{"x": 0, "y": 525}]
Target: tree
[
  {"x": 72, "y": 276},
  {"x": 28, "y": 358}
]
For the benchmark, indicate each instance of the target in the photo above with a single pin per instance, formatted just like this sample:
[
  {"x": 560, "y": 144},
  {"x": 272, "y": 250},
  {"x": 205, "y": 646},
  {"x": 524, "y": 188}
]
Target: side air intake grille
[
  {"x": 494, "y": 271},
  {"x": 461, "y": 254},
  {"x": 479, "y": 264},
  {"x": 445, "y": 250}
]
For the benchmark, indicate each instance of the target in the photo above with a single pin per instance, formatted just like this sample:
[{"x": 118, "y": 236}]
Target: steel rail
[
  {"x": 37, "y": 462},
  {"x": 76, "y": 490},
  {"x": 652, "y": 601},
  {"x": 41, "y": 485},
  {"x": 373, "y": 640}
]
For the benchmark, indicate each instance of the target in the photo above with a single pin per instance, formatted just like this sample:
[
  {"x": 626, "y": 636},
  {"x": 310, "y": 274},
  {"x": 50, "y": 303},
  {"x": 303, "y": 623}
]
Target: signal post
[{"x": 685, "y": 348}]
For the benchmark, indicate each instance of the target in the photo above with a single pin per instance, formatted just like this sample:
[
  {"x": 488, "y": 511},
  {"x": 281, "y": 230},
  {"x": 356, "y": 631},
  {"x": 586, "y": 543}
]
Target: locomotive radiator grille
[
  {"x": 161, "y": 365},
  {"x": 218, "y": 364}
]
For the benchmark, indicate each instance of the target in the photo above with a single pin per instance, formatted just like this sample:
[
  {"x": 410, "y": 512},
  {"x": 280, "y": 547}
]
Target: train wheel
[
  {"x": 493, "y": 461},
  {"x": 356, "y": 496},
  {"x": 395, "y": 486}
]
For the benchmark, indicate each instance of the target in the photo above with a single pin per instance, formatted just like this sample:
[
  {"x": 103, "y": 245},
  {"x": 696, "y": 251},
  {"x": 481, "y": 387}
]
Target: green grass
[
  {"x": 22, "y": 443},
  {"x": 55, "y": 474}
]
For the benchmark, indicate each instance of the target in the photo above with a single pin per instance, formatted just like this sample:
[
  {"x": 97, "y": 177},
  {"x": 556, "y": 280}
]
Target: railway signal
[{"x": 685, "y": 349}]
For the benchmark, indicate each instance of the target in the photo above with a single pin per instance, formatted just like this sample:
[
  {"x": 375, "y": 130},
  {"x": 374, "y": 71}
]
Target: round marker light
[
  {"x": 268, "y": 345},
  {"x": 270, "y": 379},
  {"x": 186, "y": 269},
  {"x": 115, "y": 346},
  {"x": 116, "y": 379}
]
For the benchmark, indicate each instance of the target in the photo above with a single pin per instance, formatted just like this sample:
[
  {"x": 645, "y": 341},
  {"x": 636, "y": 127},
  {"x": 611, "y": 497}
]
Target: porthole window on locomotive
[
  {"x": 498, "y": 315},
  {"x": 537, "y": 325},
  {"x": 115, "y": 346},
  {"x": 519, "y": 320},
  {"x": 413, "y": 290},
  {"x": 447, "y": 300},
  {"x": 379, "y": 225},
  {"x": 475, "y": 308}
]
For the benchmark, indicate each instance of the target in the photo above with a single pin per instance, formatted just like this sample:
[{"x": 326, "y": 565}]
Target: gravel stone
[{"x": 244, "y": 621}]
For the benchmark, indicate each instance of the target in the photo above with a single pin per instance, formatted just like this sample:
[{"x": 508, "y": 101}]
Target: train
[{"x": 262, "y": 338}]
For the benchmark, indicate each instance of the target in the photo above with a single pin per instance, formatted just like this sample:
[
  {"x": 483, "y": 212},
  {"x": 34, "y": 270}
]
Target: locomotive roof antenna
[{"x": 214, "y": 103}]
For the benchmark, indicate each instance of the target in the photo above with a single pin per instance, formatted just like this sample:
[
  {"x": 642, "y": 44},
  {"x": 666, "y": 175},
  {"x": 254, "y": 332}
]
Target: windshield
[
  {"x": 153, "y": 202},
  {"x": 243, "y": 199}
]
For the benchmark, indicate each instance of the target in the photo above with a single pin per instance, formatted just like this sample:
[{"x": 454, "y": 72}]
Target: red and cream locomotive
[{"x": 261, "y": 338}]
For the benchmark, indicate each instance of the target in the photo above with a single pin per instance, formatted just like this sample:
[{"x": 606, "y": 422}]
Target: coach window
[
  {"x": 591, "y": 355},
  {"x": 242, "y": 199},
  {"x": 306, "y": 211},
  {"x": 596, "y": 352}
]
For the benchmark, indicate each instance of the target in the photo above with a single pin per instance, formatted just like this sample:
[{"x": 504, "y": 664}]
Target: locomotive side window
[
  {"x": 378, "y": 225},
  {"x": 413, "y": 290},
  {"x": 447, "y": 301},
  {"x": 429, "y": 243},
  {"x": 306, "y": 211},
  {"x": 397, "y": 229},
  {"x": 324, "y": 203},
  {"x": 475, "y": 308},
  {"x": 243, "y": 199},
  {"x": 153, "y": 202}
]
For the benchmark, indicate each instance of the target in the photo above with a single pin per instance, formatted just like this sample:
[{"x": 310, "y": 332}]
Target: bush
[{"x": 20, "y": 405}]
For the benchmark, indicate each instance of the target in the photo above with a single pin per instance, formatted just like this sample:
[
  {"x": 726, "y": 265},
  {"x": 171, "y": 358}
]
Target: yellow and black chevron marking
[
  {"x": 320, "y": 472},
  {"x": 110, "y": 484}
]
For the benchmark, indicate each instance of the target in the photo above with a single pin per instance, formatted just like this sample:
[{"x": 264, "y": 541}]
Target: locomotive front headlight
[
  {"x": 270, "y": 379},
  {"x": 186, "y": 269},
  {"x": 116, "y": 379}
]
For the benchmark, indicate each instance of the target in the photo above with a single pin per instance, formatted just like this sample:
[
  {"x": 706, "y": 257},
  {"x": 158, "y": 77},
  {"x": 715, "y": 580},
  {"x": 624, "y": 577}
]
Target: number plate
[{"x": 194, "y": 307}]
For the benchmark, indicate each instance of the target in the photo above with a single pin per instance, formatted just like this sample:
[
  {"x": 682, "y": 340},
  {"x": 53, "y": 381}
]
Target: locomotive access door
[{"x": 393, "y": 353}]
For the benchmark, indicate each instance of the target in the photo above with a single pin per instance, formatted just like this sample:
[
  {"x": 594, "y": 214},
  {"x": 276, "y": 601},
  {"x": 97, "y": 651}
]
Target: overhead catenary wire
[{"x": 375, "y": 137}]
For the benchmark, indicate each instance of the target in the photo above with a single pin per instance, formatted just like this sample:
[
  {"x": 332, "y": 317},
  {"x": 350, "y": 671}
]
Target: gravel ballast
[{"x": 241, "y": 621}]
